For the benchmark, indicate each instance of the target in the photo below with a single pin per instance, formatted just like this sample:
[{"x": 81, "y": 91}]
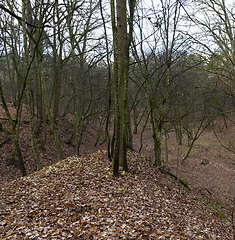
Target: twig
[
  {"x": 164, "y": 170},
  {"x": 206, "y": 190},
  {"x": 177, "y": 169}
]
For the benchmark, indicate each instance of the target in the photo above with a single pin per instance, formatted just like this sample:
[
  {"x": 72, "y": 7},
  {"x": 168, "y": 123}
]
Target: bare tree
[{"x": 121, "y": 43}]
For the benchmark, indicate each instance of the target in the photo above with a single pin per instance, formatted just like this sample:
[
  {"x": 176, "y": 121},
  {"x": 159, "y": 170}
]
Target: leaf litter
[{"x": 78, "y": 198}]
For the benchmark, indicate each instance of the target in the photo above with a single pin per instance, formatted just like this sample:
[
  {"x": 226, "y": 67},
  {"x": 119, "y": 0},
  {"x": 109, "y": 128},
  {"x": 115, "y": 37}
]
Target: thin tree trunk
[
  {"x": 46, "y": 102},
  {"x": 28, "y": 84},
  {"x": 57, "y": 67},
  {"x": 15, "y": 137},
  {"x": 155, "y": 134},
  {"x": 109, "y": 84}
]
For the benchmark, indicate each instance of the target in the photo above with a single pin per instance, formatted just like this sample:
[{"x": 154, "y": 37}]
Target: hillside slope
[
  {"x": 79, "y": 199},
  {"x": 49, "y": 153}
]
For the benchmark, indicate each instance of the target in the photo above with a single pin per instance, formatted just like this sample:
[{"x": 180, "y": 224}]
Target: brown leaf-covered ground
[
  {"x": 209, "y": 170},
  {"x": 79, "y": 199}
]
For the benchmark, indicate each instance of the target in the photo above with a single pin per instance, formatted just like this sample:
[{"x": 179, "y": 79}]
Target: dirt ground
[{"x": 209, "y": 170}]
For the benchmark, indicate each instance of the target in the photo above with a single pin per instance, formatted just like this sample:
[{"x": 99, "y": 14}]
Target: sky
[{"x": 149, "y": 13}]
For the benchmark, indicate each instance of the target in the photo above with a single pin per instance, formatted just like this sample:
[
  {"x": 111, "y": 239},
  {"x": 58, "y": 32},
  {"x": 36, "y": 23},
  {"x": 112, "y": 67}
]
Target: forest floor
[
  {"x": 79, "y": 199},
  {"x": 209, "y": 170}
]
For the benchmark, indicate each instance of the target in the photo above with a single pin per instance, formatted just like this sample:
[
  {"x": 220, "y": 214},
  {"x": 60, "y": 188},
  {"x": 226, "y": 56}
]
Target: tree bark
[
  {"x": 15, "y": 135},
  {"x": 26, "y": 5},
  {"x": 116, "y": 136}
]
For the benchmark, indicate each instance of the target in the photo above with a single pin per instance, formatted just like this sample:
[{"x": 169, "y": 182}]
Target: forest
[
  {"x": 123, "y": 68},
  {"x": 169, "y": 67}
]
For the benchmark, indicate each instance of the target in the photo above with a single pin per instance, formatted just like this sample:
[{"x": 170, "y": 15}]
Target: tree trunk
[
  {"x": 46, "y": 102},
  {"x": 109, "y": 84},
  {"x": 116, "y": 136},
  {"x": 15, "y": 135},
  {"x": 28, "y": 82}
]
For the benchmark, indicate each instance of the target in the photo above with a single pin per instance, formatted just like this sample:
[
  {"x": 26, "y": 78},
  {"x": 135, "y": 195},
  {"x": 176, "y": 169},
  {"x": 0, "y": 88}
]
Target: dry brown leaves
[
  {"x": 79, "y": 199},
  {"x": 49, "y": 154}
]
